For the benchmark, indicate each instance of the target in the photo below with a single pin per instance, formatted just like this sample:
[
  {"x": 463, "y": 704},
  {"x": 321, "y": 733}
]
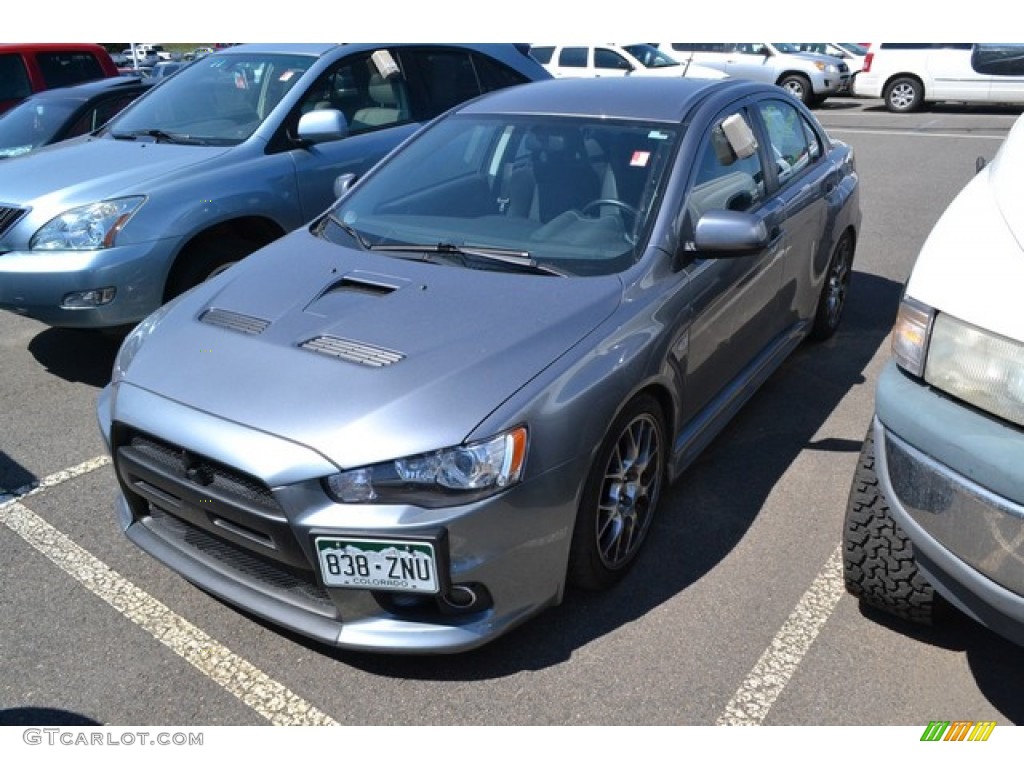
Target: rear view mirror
[{"x": 741, "y": 138}]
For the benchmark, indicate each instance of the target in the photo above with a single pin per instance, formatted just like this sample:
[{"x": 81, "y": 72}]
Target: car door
[
  {"x": 734, "y": 307},
  {"x": 804, "y": 184},
  {"x": 1003, "y": 65},
  {"x": 951, "y": 74},
  {"x": 572, "y": 61},
  {"x": 750, "y": 61}
]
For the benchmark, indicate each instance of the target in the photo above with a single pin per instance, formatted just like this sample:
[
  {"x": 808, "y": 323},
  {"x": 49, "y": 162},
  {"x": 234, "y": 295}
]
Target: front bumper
[
  {"x": 954, "y": 482},
  {"x": 248, "y": 536},
  {"x": 35, "y": 283}
]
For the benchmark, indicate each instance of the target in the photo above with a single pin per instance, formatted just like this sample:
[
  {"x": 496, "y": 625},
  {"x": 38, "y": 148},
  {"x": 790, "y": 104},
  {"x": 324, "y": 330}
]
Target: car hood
[
  {"x": 82, "y": 171},
  {"x": 972, "y": 264},
  {"x": 412, "y": 356}
]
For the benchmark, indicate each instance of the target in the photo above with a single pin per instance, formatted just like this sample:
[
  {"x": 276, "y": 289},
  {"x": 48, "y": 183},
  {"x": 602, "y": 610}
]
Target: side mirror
[
  {"x": 343, "y": 183},
  {"x": 722, "y": 233},
  {"x": 322, "y": 125}
]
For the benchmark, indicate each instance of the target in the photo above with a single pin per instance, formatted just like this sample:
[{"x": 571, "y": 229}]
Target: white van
[
  {"x": 908, "y": 75},
  {"x": 936, "y": 507}
]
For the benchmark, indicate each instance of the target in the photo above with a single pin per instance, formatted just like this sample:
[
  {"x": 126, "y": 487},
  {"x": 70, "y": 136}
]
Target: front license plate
[{"x": 396, "y": 566}]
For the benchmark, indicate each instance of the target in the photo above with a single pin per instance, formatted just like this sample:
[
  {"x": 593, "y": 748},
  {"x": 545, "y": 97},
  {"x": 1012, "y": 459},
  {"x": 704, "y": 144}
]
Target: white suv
[
  {"x": 810, "y": 77},
  {"x": 937, "y": 502},
  {"x": 616, "y": 61}
]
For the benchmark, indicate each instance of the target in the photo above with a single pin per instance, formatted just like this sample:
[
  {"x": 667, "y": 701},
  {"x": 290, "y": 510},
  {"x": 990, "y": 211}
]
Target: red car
[{"x": 26, "y": 68}]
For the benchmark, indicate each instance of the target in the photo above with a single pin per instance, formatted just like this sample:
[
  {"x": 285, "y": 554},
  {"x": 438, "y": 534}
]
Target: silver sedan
[{"x": 411, "y": 425}]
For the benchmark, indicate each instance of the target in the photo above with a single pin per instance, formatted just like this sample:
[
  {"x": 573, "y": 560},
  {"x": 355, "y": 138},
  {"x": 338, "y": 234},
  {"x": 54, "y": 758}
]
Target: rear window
[
  {"x": 61, "y": 68},
  {"x": 1005, "y": 59},
  {"x": 542, "y": 53}
]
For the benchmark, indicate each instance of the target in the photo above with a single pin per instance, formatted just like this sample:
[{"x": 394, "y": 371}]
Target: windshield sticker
[
  {"x": 640, "y": 159},
  {"x": 658, "y": 135},
  {"x": 287, "y": 75}
]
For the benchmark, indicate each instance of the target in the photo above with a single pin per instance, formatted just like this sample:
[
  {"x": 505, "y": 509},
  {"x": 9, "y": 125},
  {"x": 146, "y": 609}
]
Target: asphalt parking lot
[{"x": 735, "y": 615}]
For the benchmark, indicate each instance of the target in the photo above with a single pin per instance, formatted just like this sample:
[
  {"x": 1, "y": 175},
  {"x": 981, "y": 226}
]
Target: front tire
[
  {"x": 799, "y": 87},
  {"x": 878, "y": 559},
  {"x": 620, "y": 497},
  {"x": 205, "y": 260},
  {"x": 904, "y": 94}
]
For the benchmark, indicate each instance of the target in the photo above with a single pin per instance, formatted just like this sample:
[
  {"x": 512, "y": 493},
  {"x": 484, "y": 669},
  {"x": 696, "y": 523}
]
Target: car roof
[
  {"x": 88, "y": 89},
  {"x": 639, "y": 98}
]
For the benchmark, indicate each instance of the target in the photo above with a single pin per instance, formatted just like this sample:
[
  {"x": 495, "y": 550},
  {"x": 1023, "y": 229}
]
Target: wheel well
[
  {"x": 904, "y": 76},
  {"x": 795, "y": 73},
  {"x": 256, "y": 230}
]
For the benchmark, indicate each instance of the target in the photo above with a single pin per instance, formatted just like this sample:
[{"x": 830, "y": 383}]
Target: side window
[
  {"x": 369, "y": 89},
  {"x": 752, "y": 49},
  {"x": 542, "y": 53},
  {"x": 99, "y": 114},
  {"x": 998, "y": 59},
  {"x": 794, "y": 143},
  {"x": 573, "y": 57},
  {"x": 725, "y": 181},
  {"x": 14, "y": 82},
  {"x": 67, "y": 68},
  {"x": 493, "y": 75},
  {"x": 438, "y": 80},
  {"x": 606, "y": 59}
]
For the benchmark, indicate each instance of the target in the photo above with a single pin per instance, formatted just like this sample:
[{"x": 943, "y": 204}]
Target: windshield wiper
[
  {"x": 350, "y": 231},
  {"x": 159, "y": 135},
  {"x": 509, "y": 256}
]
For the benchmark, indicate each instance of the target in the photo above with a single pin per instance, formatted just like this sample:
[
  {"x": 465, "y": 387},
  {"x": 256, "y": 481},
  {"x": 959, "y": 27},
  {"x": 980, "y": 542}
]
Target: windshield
[
  {"x": 574, "y": 196},
  {"x": 32, "y": 124},
  {"x": 219, "y": 99},
  {"x": 650, "y": 56}
]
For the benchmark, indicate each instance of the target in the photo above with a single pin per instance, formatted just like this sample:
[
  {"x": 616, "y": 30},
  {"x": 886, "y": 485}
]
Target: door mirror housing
[{"x": 322, "y": 125}]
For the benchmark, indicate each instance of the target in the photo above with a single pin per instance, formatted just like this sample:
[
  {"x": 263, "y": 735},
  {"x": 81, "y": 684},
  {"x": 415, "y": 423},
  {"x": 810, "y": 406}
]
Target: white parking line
[
  {"x": 919, "y": 134},
  {"x": 253, "y": 687},
  {"x": 755, "y": 696}
]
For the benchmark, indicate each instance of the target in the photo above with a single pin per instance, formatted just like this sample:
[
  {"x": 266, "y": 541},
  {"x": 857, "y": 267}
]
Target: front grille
[
  {"x": 9, "y": 217},
  {"x": 352, "y": 351},
  {"x": 228, "y": 505},
  {"x": 294, "y": 587}
]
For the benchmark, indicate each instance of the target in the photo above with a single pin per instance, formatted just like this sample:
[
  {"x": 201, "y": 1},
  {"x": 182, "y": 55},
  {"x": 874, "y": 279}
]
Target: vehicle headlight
[
  {"x": 981, "y": 368},
  {"x": 88, "y": 227},
  {"x": 977, "y": 366},
  {"x": 133, "y": 341},
  {"x": 442, "y": 478}
]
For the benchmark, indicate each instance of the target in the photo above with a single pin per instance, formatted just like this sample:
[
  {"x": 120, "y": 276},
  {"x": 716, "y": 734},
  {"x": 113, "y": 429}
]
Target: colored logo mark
[{"x": 958, "y": 730}]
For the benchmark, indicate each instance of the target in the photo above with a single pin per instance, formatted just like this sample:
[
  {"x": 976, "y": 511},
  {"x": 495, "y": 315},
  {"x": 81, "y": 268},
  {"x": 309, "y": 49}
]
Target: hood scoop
[
  {"x": 352, "y": 351},
  {"x": 234, "y": 321},
  {"x": 361, "y": 285}
]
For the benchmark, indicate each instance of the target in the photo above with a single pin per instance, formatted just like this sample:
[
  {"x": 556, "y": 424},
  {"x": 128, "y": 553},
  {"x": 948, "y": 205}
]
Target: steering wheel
[{"x": 626, "y": 207}]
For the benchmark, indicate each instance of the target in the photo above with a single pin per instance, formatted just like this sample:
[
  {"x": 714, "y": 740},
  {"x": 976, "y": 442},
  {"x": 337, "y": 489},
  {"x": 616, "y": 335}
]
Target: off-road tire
[{"x": 878, "y": 559}]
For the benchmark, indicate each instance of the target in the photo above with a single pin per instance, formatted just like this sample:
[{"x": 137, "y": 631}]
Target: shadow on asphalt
[
  {"x": 996, "y": 663},
  {"x": 44, "y": 716},
  {"x": 77, "y": 355},
  {"x": 14, "y": 478}
]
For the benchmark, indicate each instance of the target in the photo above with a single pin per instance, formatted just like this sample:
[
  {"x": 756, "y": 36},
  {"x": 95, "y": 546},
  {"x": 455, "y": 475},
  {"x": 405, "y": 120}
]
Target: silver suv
[
  {"x": 810, "y": 77},
  {"x": 235, "y": 150}
]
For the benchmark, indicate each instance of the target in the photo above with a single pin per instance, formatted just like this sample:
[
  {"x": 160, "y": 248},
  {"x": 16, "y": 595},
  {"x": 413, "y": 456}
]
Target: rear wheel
[
  {"x": 878, "y": 559},
  {"x": 833, "y": 293},
  {"x": 620, "y": 497},
  {"x": 904, "y": 94}
]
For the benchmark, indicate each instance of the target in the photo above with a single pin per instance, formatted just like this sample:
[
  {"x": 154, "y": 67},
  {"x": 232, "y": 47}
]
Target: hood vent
[
  {"x": 365, "y": 287},
  {"x": 234, "y": 321},
  {"x": 353, "y": 351}
]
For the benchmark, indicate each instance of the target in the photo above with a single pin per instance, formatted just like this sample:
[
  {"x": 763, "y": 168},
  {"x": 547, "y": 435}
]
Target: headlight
[
  {"x": 979, "y": 367},
  {"x": 133, "y": 341},
  {"x": 443, "y": 478},
  {"x": 88, "y": 227}
]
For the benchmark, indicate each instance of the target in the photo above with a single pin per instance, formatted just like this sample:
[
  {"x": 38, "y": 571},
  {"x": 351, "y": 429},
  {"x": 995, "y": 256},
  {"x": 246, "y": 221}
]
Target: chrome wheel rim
[
  {"x": 902, "y": 96},
  {"x": 838, "y": 284},
  {"x": 629, "y": 492}
]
